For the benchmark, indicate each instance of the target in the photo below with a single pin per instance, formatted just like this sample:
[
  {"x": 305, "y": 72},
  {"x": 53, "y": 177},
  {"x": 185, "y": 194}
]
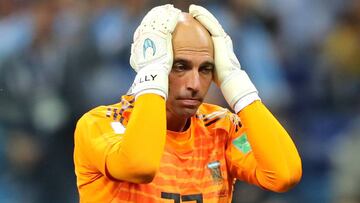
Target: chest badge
[{"x": 215, "y": 171}]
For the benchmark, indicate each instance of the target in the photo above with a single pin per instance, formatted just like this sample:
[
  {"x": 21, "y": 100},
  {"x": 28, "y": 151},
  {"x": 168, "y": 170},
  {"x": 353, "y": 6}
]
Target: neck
[{"x": 177, "y": 124}]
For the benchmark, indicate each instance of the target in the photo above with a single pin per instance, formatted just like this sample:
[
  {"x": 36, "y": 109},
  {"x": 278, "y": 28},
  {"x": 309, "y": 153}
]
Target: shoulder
[
  {"x": 109, "y": 113},
  {"x": 215, "y": 116}
]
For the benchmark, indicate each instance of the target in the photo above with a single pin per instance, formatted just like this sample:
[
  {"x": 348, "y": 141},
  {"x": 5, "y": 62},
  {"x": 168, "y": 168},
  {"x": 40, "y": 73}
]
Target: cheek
[
  {"x": 174, "y": 86},
  {"x": 206, "y": 82},
  {"x": 177, "y": 81}
]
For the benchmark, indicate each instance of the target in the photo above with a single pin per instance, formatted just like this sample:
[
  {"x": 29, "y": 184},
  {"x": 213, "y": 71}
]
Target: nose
[{"x": 193, "y": 81}]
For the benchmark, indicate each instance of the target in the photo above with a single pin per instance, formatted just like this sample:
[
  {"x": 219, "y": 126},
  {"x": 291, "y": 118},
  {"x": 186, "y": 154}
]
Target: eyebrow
[
  {"x": 180, "y": 60},
  {"x": 208, "y": 63},
  {"x": 184, "y": 61}
]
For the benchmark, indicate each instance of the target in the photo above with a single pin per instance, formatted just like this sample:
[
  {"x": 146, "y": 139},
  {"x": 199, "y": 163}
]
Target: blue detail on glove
[{"x": 148, "y": 43}]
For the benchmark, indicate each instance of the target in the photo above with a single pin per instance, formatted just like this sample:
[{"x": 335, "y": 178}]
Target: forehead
[{"x": 190, "y": 37}]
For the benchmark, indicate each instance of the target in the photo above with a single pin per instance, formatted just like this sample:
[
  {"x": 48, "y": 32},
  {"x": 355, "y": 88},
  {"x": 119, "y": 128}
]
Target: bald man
[{"x": 161, "y": 143}]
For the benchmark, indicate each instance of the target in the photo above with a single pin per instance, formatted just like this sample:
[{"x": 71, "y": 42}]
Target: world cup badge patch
[
  {"x": 215, "y": 171},
  {"x": 242, "y": 144}
]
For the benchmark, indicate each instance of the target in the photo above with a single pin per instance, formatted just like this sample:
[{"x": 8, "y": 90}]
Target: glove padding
[
  {"x": 234, "y": 83},
  {"x": 151, "y": 52}
]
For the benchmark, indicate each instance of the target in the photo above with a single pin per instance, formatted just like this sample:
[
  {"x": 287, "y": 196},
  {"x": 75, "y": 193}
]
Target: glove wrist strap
[
  {"x": 245, "y": 101},
  {"x": 236, "y": 86},
  {"x": 151, "y": 79}
]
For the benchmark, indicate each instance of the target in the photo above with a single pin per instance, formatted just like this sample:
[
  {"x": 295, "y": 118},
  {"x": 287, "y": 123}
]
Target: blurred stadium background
[{"x": 59, "y": 58}]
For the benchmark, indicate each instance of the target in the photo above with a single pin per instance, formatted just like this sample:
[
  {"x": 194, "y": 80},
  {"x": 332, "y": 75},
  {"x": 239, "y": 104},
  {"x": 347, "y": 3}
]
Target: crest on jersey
[
  {"x": 215, "y": 171},
  {"x": 148, "y": 43}
]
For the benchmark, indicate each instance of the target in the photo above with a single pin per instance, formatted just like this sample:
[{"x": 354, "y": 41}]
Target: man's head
[{"x": 192, "y": 71}]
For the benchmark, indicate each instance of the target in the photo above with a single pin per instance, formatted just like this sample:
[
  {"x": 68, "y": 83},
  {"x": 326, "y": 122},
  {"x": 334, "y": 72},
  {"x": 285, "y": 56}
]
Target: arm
[
  {"x": 273, "y": 162},
  {"x": 134, "y": 156},
  {"x": 137, "y": 157},
  {"x": 152, "y": 57},
  {"x": 278, "y": 165}
]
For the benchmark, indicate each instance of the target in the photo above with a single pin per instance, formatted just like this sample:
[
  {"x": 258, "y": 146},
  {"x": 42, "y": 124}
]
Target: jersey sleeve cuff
[{"x": 245, "y": 101}]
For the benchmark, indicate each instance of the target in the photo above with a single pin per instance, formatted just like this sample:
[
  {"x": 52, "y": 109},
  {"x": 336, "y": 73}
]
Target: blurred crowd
[{"x": 60, "y": 58}]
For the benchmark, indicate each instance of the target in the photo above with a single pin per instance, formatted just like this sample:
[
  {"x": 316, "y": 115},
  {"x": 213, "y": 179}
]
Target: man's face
[{"x": 192, "y": 70}]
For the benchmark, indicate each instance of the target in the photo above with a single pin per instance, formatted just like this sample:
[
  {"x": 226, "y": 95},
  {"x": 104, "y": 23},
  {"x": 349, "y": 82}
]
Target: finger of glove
[
  {"x": 161, "y": 19},
  {"x": 207, "y": 20},
  {"x": 230, "y": 49},
  {"x": 225, "y": 59},
  {"x": 169, "y": 56},
  {"x": 151, "y": 38}
]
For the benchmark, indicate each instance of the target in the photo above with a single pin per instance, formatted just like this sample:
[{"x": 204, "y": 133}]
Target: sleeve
[
  {"x": 133, "y": 156},
  {"x": 262, "y": 152}
]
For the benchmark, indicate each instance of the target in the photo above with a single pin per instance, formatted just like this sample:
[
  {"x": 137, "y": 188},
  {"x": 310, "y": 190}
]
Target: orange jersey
[{"x": 198, "y": 165}]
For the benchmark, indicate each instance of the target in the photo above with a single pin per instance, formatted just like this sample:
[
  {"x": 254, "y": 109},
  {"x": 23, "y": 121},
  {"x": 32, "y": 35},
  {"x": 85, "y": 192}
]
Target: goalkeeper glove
[
  {"x": 234, "y": 83},
  {"x": 151, "y": 52}
]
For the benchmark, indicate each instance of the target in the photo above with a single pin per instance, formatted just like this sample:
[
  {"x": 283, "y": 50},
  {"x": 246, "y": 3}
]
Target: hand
[
  {"x": 151, "y": 52},
  {"x": 234, "y": 83}
]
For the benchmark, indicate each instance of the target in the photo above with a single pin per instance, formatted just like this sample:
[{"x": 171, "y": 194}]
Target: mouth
[{"x": 190, "y": 102}]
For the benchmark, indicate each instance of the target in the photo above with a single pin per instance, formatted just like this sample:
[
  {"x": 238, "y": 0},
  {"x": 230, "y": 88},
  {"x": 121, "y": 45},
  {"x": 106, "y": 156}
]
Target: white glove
[
  {"x": 234, "y": 83},
  {"x": 151, "y": 52}
]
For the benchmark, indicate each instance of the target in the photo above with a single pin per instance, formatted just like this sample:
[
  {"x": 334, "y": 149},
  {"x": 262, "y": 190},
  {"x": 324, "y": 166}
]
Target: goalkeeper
[{"x": 161, "y": 143}]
